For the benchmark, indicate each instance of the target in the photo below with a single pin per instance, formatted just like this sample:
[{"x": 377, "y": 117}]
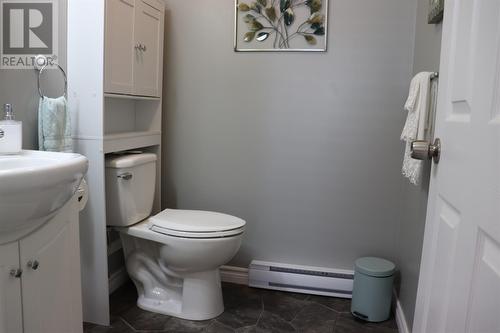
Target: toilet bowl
[{"x": 173, "y": 257}]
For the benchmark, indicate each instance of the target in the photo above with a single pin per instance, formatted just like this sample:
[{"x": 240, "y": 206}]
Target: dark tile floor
[{"x": 248, "y": 310}]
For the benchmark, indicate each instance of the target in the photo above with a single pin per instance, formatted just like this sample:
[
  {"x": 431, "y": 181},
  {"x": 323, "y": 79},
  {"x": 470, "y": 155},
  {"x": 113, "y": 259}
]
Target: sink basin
[{"x": 34, "y": 185}]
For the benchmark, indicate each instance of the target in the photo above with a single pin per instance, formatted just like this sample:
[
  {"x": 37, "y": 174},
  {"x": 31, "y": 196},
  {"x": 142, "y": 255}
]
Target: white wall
[
  {"x": 305, "y": 147},
  {"x": 19, "y": 87},
  {"x": 427, "y": 50}
]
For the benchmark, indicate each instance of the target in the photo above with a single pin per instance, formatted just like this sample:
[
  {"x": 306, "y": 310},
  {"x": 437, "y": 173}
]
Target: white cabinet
[
  {"x": 119, "y": 69},
  {"x": 149, "y": 38},
  {"x": 51, "y": 292},
  {"x": 10, "y": 289},
  {"x": 40, "y": 287},
  {"x": 134, "y": 47}
]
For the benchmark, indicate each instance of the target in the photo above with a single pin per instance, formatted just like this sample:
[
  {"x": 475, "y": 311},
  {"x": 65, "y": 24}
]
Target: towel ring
[{"x": 65, "y": 80}]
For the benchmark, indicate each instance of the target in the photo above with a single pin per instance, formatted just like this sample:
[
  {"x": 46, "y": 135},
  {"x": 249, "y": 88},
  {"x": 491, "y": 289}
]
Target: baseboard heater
[{"x": 301, "y": 279}]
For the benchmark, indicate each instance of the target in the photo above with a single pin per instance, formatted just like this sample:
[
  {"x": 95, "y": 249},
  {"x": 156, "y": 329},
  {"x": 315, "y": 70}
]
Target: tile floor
[{"x": 247, "y": 310}]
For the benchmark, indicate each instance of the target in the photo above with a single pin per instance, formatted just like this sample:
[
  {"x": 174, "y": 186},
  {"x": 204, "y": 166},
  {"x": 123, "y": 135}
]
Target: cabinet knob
[
  {"x": 140, "y": 47},
  {"x": 16, "y": 272},
  {"x": 33, "y": 264}
]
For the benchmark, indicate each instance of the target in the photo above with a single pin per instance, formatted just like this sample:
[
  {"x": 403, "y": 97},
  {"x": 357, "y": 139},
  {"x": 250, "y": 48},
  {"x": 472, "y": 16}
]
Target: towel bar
[{"x": 40, "y": 59}]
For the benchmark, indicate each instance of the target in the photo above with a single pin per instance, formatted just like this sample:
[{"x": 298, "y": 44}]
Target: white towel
[{"x": 417, "y": 126}]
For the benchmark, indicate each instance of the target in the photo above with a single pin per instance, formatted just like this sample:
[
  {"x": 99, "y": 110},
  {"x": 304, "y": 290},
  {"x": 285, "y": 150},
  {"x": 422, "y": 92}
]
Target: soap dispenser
[{"x": 11, "y": 132}]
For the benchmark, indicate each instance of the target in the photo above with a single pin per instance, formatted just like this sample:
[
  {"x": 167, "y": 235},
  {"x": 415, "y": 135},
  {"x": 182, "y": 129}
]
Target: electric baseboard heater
[{"x": 301, "y": 279}]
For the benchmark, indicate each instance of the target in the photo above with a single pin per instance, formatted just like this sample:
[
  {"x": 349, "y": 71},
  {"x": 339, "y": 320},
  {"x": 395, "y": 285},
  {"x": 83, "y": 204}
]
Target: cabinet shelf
[
  {"x": 134, "y": 97},
  {"x": 130, "y": 140}
]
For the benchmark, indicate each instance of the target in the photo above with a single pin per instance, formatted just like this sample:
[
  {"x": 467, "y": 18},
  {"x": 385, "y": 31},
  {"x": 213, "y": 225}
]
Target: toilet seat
[
  {"x": 195, "y": 224},
  {"x": 219, "y": 234}
]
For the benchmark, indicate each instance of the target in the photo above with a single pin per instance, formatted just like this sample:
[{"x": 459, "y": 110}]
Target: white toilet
[{"x": 172, "y": 257}]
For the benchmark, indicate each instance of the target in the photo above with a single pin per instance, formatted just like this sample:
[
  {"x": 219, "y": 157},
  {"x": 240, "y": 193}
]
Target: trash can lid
[{"x": 376, "y": 267}]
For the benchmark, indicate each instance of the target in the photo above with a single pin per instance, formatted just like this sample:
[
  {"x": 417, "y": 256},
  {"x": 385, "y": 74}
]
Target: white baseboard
[
  {"x": 234, "y": 274},
  {"x": 400, "y": 317},
  {"x": 117, "y": 279}
]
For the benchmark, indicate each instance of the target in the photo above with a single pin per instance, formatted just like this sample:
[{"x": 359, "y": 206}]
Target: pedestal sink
[{"x": 34, "y": 185}]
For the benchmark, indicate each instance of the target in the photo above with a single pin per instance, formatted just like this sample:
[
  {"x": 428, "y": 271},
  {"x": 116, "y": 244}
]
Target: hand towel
[
  {"x": 54, "y": 125},
  {"x": 417, "y": 123}
]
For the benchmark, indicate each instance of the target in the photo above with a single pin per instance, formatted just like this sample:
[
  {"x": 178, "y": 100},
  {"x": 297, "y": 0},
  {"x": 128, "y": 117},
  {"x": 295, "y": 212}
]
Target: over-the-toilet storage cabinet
[
  {"x": 115, "y": 71},
  {"x": 133, "y": 47}
]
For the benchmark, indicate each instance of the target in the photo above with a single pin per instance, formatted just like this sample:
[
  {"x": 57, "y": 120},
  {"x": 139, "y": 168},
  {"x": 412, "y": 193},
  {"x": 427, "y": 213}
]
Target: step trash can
[{"x": 372, "y": 289}]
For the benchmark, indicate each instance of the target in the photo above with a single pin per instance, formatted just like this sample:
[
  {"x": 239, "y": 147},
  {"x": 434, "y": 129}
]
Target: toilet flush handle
[{"x": 125, "y": 176}]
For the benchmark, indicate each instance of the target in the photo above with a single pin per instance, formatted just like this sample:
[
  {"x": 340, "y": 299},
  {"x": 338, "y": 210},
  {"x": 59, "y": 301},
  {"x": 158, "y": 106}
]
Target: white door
[
  {"x": 148, "y": 57},
  {"x": 459, "y": 286},
  {"x": 10, "y": 289},
  {"x": 51, "y": 287},
  {"x": 119, "y": 47}
]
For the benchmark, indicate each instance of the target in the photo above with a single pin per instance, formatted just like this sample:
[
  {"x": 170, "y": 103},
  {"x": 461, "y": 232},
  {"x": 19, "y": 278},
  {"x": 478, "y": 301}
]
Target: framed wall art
[{"x": 281, "y": 25}]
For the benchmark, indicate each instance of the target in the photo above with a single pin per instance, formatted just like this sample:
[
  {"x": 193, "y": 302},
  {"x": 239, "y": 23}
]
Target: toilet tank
[{"x": 130, "y": 188}]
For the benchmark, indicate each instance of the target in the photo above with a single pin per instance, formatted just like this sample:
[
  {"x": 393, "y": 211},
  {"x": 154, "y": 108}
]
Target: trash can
[{"x": 372, "y": 289}]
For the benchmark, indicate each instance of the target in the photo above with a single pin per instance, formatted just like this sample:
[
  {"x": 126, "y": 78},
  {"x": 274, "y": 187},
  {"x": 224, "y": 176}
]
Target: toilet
[{"x": 173, "y": 257}]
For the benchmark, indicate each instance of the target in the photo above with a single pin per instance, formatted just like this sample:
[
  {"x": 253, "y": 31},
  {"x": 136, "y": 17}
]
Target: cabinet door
[
  {"x": 50, "y": 258},
  {"x": 10, "y": 290},
  {"x": 149, "y": 55},
  {"x": 119, "y": 47}
]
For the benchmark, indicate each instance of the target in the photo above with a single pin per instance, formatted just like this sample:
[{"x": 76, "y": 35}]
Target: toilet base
[
  {"x": 195, "y": 296},
  {"x": 177, "y": 276}
]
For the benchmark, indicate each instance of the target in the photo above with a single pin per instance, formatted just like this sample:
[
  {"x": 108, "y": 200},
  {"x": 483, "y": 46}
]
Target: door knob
[{"x": 423, "y": 150}]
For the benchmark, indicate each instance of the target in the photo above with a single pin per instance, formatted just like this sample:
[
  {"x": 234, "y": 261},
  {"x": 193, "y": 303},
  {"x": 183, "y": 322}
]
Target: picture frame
[
  {"x": 281, "y": 25},
  {"x": 436, "y": 9}
]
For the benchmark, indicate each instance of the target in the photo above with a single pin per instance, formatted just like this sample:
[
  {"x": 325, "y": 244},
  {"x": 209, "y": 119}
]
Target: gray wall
[
  {"x": 19, "y": 87},
  {"x": 302, "y": 146},
  {"x": 426, "y": 58}
]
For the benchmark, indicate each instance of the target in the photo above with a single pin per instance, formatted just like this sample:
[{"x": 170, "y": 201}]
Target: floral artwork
[{"x": 281, "y": 25}]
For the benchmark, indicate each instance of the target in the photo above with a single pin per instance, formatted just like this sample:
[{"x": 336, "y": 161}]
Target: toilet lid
[{"x": 195, "y": 221}]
